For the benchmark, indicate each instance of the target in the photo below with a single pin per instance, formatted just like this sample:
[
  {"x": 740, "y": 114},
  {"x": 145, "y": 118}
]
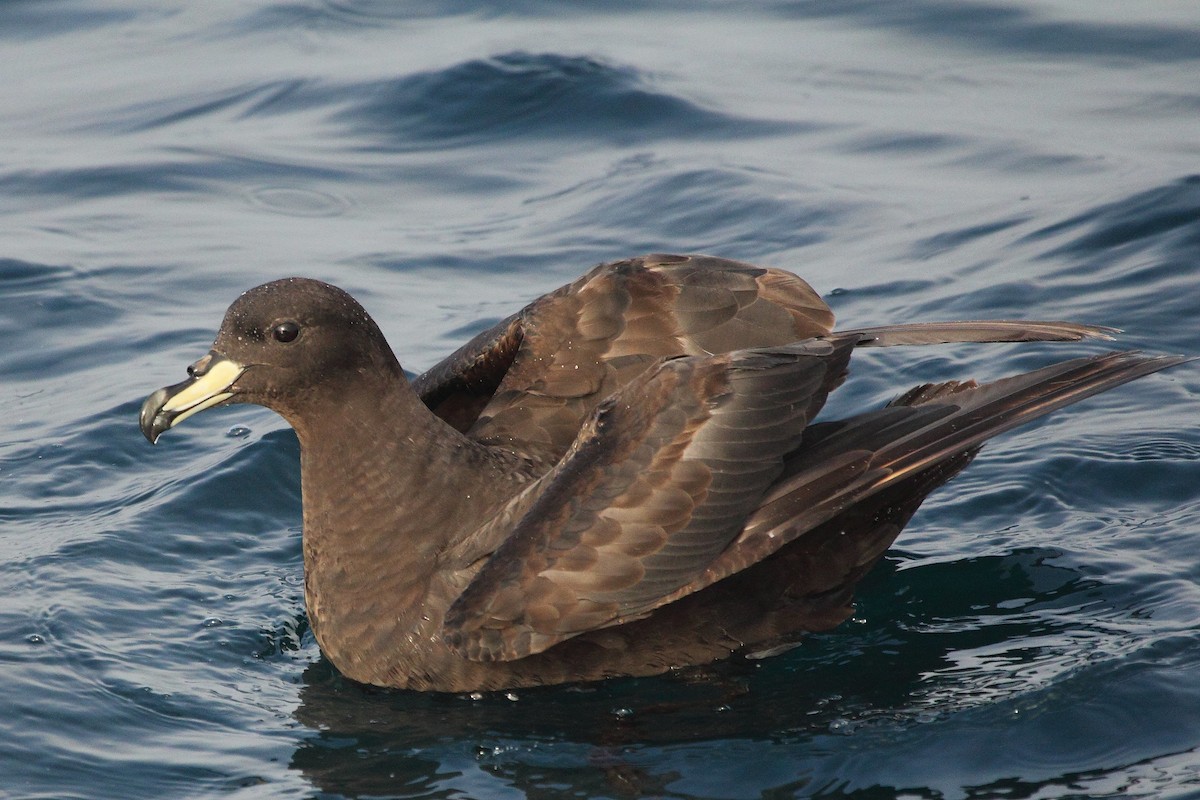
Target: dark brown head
[{"x": 283, "y": 345}]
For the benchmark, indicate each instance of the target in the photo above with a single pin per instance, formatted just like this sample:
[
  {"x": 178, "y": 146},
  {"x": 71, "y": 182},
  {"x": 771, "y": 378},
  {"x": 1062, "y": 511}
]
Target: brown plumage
[{"x": 622, "y": 478}]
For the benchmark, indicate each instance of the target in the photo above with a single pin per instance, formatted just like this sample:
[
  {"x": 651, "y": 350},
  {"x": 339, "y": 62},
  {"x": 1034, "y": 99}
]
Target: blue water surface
[{"x": 1034, "y": 634}]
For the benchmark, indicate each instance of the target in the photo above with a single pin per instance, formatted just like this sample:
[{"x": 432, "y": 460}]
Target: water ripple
[
  {"x": 543, "y": 96},
  {"x": 1035, "y": 632},
  {"x": 1155, "y": 218},
  {"x": 29, "y": 20},
  {"x": 297, "y": 201},
  {"x": 1007, "y": 29},
  {"x": 714, "y": 209}
]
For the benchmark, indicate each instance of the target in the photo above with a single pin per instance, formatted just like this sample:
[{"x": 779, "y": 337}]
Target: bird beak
[{"x": 210, "y": 381}]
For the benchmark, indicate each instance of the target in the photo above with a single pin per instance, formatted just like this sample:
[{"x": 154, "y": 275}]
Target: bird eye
[{"x": 286, "y": 332}]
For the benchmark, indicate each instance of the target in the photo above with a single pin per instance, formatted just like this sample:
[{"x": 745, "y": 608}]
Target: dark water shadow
[
  {"x": 1141, "y": 252},
  {"x": 1165, "y": 216},
  {"x": 29, "y": 19},
  {"x": 1011, "y": 29},
  {"x": 538, "y": 96}
]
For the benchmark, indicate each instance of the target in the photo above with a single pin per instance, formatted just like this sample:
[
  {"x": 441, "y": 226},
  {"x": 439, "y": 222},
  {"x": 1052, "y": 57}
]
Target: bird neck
[
  {"x": 381, "y": 473},
  {"x": 388, "y": 489}
]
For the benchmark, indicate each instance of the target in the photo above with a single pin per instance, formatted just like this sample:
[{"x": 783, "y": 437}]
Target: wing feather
[
  {"x": 846, "y": 461},
  {"x": 528, "y": 382},
  {"x": 653, "y": 490}
]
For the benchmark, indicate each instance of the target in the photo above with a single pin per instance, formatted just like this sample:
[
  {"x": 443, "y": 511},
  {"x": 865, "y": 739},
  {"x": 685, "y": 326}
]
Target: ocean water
[{"x": 1035, "y": 633}]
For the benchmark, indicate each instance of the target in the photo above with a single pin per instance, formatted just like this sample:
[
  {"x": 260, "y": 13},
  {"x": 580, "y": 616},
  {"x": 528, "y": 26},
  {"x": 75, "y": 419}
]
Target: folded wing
[{"x": 659, "y": 482}]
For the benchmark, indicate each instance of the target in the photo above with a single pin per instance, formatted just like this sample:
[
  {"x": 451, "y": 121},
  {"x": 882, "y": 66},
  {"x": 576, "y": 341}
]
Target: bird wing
[
  {"x": 659, "y": 481},
  {"x": 843, "y": 462},
  {"x": 529, "y": 382},
  {"x": 658, "y": 501}
]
